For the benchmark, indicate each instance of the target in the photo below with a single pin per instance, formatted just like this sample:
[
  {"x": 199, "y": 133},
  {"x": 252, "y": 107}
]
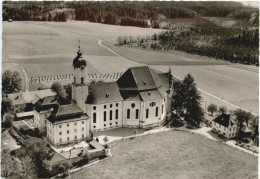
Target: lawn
[{"x": 173, "y": 154}]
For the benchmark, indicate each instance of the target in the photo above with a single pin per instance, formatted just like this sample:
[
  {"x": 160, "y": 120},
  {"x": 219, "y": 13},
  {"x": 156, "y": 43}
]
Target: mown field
[
  {"x": 173, "y": 154},
  {"x": 48, "y": 48}
]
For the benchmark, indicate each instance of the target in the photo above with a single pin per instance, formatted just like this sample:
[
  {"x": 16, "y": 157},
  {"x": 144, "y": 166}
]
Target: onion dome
[{"x": 79, "y": 61}]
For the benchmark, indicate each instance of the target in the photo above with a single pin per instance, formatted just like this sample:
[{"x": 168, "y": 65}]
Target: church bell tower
[{"x": 79, "y": 85}]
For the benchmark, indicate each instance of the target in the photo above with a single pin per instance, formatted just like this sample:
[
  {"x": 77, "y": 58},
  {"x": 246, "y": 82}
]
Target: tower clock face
[{"x": 82, "y": 67}]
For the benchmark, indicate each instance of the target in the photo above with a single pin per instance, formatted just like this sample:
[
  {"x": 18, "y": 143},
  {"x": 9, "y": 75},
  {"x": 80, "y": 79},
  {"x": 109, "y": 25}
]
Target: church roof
[
  {"x": 139, "y": 78},
  {"x": 103, "y": 93},
  {"x": 150, "y": 95}
]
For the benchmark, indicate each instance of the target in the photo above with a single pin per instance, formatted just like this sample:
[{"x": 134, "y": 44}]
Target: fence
[{"x": 69, "y": 77}]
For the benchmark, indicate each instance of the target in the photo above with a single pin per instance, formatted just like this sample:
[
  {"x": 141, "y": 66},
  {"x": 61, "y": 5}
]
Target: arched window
[
  {"x": 74, "y": 79},
  {"x": 147, "y": 113},
  {"x": 156, "y": 111},
  {"x": 128, "y": 114},
  {"x": 94, "y": 117},
  {"x": 82, "y": 80},
  {"x": 117, "y": 114},
  {"x": 110, "y": 115},
  {"x": 136, "y": 113},
  {"x": 162, "y": 109},
  {"x": 105, "y": 116}
]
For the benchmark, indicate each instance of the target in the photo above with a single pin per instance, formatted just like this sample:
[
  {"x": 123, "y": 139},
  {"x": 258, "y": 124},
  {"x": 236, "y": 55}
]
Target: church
[{"x": 140, "y": 98}]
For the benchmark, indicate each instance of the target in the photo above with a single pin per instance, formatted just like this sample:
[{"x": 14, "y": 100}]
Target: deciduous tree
[
  {"x": 11, "y": 82},
  {"x": 212, "y": 108}
]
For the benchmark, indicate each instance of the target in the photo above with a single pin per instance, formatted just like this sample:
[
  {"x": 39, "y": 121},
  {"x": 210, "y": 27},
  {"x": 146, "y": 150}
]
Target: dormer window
[
  {"x": 149, "y": 93},
  {"x": 107, "y": 95},
  {"x": 144, "y": 83}
]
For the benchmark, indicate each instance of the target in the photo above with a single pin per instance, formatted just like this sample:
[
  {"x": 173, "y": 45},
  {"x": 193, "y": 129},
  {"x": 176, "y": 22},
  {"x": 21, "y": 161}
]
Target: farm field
[
  {"x": 235, "y": 83},
  {"x": 173, "y": 154},
  {"x": 48, "y": 48}
]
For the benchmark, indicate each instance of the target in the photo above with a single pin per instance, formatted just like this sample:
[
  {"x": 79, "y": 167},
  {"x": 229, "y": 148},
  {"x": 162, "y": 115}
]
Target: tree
[
  {"x": 255, "y": 133},
  {"x": 11, "y": 82},
  {"x": 192, "y": 102},
  {"x": 222, "y": 109},
  {"x": 178, "y": 98},
  {"x": 10, "y": 165},
  {"x": 241, "y": 117},
  {"x": 212, "y": 108},
  {"x": 67, "y": 89},
  {"x": 28, "y": 168},
  {"x": 56, "y": 87},
  {"x": 37, "y": 149},
  {"x": 8, "y": 121},
  {"x": 6, "y": 106}
]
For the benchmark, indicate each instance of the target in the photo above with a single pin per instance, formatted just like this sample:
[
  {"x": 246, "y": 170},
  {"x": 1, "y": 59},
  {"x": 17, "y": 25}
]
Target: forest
[{"x": 122, "y": 13}]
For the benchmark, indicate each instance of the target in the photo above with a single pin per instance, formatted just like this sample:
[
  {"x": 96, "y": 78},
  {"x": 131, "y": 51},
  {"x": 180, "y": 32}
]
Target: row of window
[
  {"x": 105, "y": 116},
  {"x": 68, "y": 131},
  {"x": 68, "y": 138},
  {"x": 75, "y": 123}
]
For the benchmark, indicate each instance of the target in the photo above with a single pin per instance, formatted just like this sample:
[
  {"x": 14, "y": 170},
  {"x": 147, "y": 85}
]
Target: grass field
[
  {"x": 173, "y": 154},
  {"x": 48, "y": 48}
]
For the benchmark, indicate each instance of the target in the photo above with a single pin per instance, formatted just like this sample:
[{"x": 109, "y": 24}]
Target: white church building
[{"x": 140, "y": 98}]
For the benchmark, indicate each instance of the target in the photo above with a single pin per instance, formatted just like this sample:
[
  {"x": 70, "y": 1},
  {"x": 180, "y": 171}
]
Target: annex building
[{"x": 138, "y": 99}]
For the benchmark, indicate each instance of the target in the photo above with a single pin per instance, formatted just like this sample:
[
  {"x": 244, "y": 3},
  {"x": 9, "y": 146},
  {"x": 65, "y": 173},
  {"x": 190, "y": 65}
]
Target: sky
[{"x": 250, "y": 3}]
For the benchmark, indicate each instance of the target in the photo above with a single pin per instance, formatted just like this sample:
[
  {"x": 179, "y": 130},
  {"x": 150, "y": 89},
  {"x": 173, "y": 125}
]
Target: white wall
[
  {"x": 99, "y": 110},
  {"x": 227, "y": 132},
  {"x": 58, "y": 131}
]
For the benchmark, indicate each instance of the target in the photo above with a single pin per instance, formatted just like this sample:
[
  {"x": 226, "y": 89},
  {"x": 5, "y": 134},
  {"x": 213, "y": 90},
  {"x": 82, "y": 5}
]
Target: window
[
  {"x": 116, "y": 113},
  {"x": 75, "y": 123},
  {"x": 68, "y": 138},
  {"x": 111, "y": 105},
  {"x": 162, "y": 109},
  {"x": 94, "y": 117},
  {"x": 83, "y": 136},
  {"x": 60, "y": 140},
  {"x": 133, "y": 105},
  {"x": 128, "y": 114},
  {"x": 136, "y": 113},
  {"x": 105, "y": 106},
  {"x": 68, "y": 125},
  {"x": 46, "y": 115},
  {"x": 105, "y": 116},
  {"x": 75, "y": 137},
  {"x": 82, "y": 128},
  {"x": 104, "y": 125},
  {"x": 156, "y": 111},
  {"x": 110, "y": 124},
  {"x": 94, "y": 126},
  {"x": 94, "y": 107},
  {"x": 82, "y": 80},
  {"x": 230, "y": 129},
  {"x": 116, "y": 104},
  {"x": 74, "y": 79},
  {"x": 116, "y": 123},
  {"x": 68, "y": 131},
  {"x": 59, "y": 126},
  {"x": 75, "y": 130},
  {"x": 60, "y": 133},
  {"x": 82, "y": 122},
  {"x": 147, "y": 113},
  {"x": 152, "y": 104},
  {"x": 110, "y": 115}
]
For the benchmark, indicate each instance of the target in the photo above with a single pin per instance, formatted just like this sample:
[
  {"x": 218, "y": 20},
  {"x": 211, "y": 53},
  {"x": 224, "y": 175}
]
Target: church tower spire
[{"x": 79, "y": 85}]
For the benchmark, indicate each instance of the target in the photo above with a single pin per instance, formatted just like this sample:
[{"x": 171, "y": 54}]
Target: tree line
[{"x": 122, "y": 13}]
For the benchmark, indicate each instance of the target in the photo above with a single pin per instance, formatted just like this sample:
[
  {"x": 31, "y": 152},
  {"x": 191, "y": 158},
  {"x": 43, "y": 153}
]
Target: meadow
[
  {"x": 173, "y": 154},
  {"x": 48, "y": 48}
]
